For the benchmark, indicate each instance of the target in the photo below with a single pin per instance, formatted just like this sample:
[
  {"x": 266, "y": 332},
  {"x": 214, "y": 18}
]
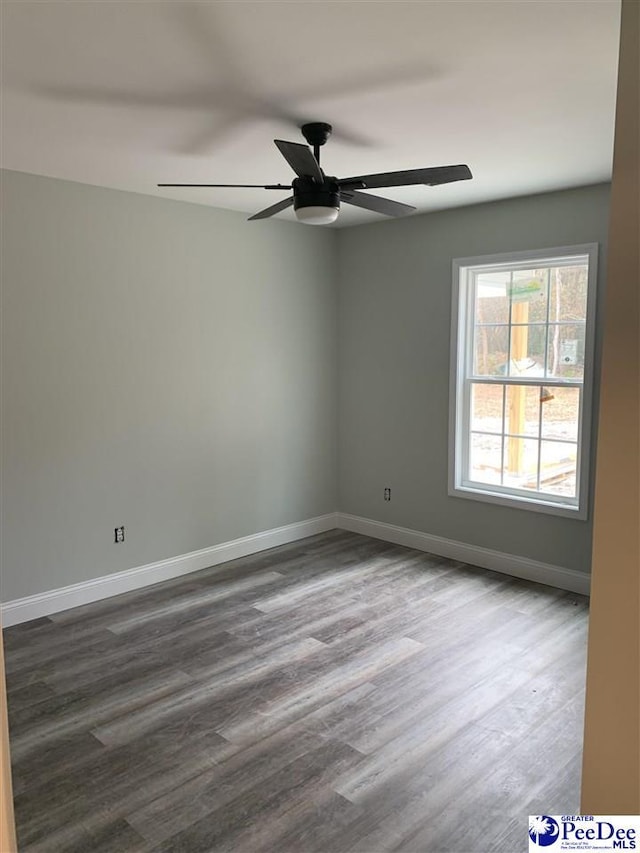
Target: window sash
[{"x": 465, "y": 446}]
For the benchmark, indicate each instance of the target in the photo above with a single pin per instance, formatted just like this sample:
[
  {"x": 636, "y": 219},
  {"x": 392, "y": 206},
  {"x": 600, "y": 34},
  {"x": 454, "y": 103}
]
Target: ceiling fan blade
[
  {"x": 301, "y": 159},
  {"x": 214, "y": 132},
  {"x": 191, "y": 100},
  {"x": 248, "y": 186},
  {"x": 376, "y": 203},
  {"x": 275, "y": 208},
  {"x": 431, "y": 177}
]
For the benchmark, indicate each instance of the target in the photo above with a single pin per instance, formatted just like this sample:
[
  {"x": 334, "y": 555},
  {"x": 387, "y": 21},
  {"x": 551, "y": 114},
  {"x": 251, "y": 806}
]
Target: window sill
[{"x": 533, "y": 504}]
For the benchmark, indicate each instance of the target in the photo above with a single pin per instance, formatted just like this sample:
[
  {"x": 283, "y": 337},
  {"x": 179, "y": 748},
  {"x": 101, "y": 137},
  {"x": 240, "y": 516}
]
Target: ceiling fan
[{"x": 316, "y": 197}]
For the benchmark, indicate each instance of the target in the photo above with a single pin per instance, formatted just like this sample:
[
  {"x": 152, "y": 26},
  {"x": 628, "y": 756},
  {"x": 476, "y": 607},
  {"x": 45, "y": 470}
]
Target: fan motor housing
[{"x": 306, "y": 193}]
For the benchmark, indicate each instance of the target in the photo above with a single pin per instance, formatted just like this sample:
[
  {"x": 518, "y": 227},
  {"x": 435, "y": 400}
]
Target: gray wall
[
  {"x": 166, "y": 366},
  {"x": 394, "y": 332},
  {"x": 172, "y": 368}
]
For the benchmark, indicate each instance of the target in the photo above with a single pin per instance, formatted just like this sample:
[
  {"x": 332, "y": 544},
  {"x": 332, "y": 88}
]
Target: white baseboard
[
  {"x": 55, "y": 600},
  {"x": 497, "y": 561}
]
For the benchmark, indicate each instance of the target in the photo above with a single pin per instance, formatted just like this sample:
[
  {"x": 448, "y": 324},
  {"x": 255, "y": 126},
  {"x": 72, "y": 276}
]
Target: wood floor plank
[
  {"x": 297, "y": 700},
  {"x": 269, "y": 807},
  {"x": 335, "y": 694},
  {"x": 80, "y": 711},
  {"x": 225, "y": 694},
  {"x": 509, "y": 778},
  {"x": 444, "y": 715},
  {"x": 241, "y": 770},
  {"x": 54, "y": 760}
]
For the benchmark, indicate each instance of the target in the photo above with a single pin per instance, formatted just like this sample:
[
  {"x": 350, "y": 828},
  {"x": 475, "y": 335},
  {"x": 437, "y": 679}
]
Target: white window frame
[{"x": 461, "y": 377}]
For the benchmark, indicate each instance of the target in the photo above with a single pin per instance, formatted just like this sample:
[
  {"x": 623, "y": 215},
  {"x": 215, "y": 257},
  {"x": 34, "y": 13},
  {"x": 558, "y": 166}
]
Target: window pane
[
  {"x": 565, "y": 351},
  {"x": 529, "y": 290},
  {"x": 491, "y": 345},
  {"x": 492, "y": 299},
  {"x": 558, "y": 461},
  {"x": 521, "y": 463},
  {"x": 485, "y": 458},
  {"x": 522, "y": 414},
  {"x": 568, "y": 293},
  {"x": 560, "y": 413},
  {"x": 486, "y": 408},
  {"x": 527, "y": 350}
]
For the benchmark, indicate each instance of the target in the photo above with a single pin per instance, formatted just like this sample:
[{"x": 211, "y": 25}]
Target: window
[{"x": 522, "y": 364}]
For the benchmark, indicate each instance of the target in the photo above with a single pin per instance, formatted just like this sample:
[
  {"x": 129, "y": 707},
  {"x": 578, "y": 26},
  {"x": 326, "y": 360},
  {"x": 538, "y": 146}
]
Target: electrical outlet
[
  {"x": 387, "y": 494},
  {"x": 118, "y": 534}
]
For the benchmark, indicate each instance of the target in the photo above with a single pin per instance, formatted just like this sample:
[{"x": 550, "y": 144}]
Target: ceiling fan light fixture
[
  {"x": 316, "y": 197},
  {"x": 317, "y": 214}
]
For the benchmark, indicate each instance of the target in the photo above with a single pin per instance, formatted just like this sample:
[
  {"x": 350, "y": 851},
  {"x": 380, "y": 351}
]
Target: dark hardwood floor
[{"x": 336, "y": 694}]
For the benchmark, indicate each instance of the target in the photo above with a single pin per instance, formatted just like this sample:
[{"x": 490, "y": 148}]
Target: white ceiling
[{"x": 129, "y": 94}]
